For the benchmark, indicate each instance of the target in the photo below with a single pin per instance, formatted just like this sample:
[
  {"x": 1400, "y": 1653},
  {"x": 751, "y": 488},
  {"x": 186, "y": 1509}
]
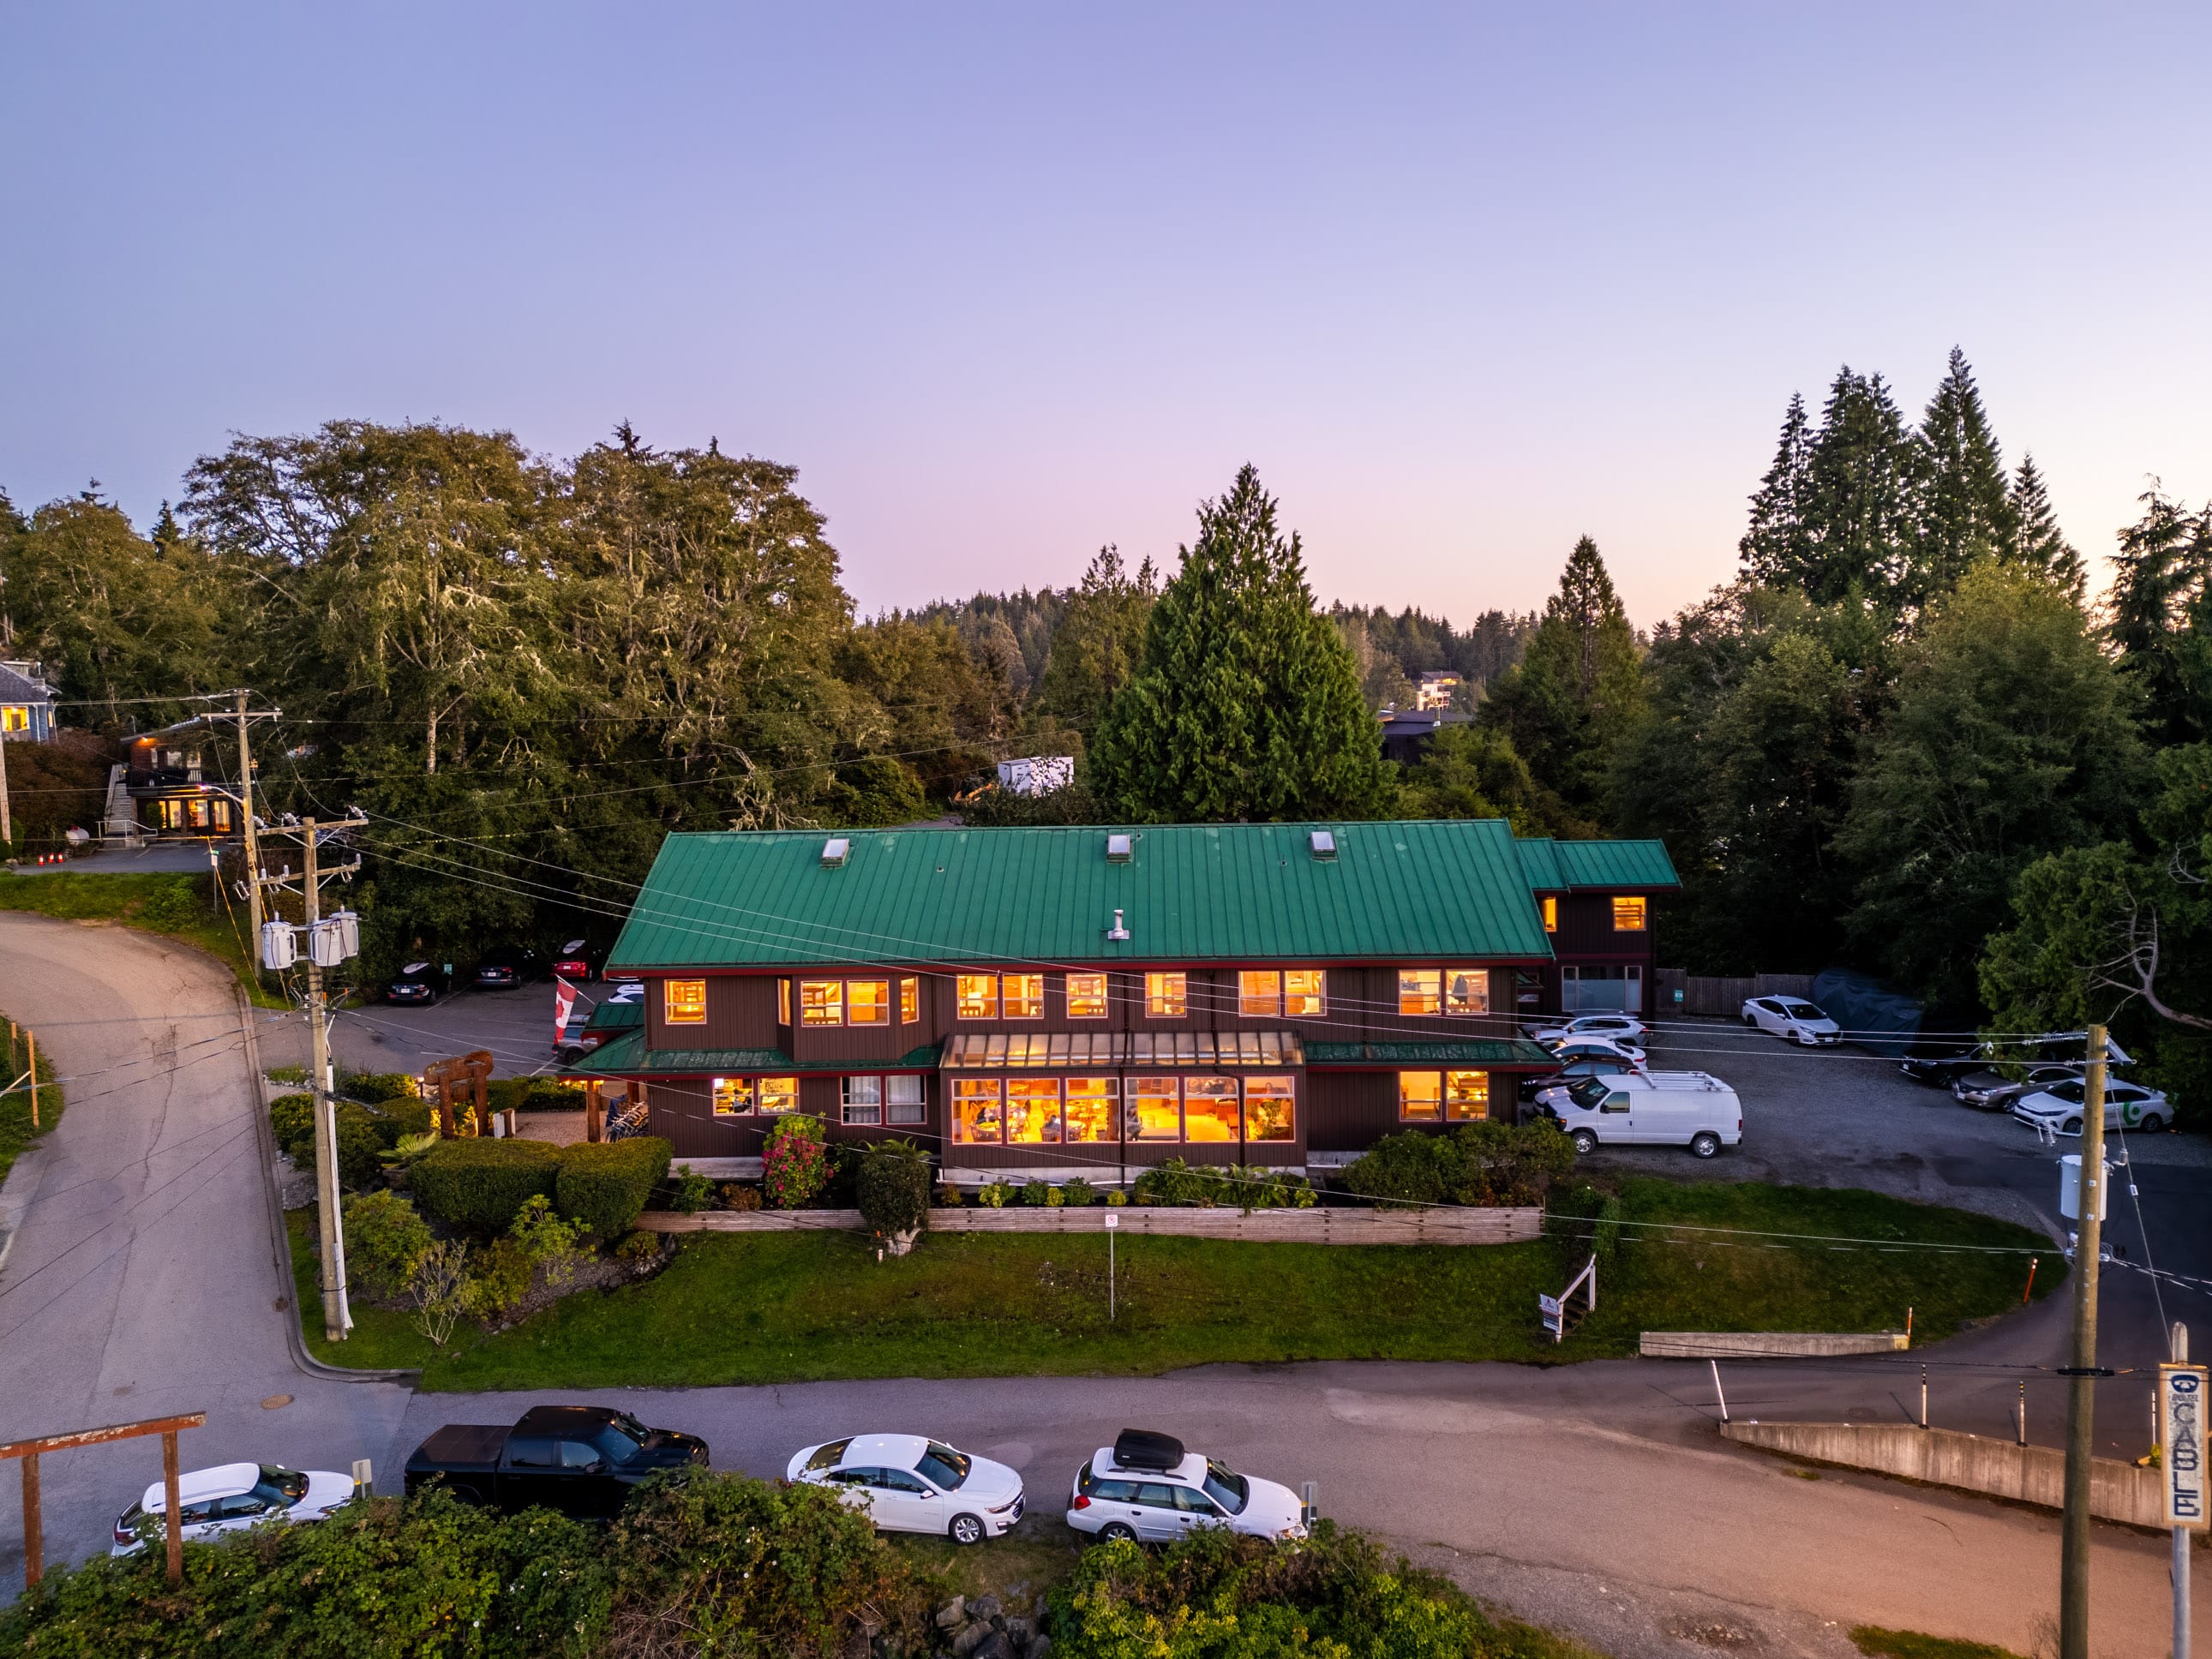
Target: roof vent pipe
[{"x": 1117, "y": 932}]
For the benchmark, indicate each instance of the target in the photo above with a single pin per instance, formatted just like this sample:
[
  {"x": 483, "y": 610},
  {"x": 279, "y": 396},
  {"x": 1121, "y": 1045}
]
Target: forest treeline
[{"x": 1903, "y": 737}]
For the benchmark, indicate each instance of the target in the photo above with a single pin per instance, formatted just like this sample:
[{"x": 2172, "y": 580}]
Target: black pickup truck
[{"x": 579, "y": 1459}]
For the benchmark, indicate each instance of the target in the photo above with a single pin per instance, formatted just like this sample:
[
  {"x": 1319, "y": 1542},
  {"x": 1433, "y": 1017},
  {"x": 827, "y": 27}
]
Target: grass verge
[
  {"x": 174, "y": 904},
  {"x": 15, "y": 1130},
  {"x": 750, "y": 1307},
  {"x": 1880, "y": 1644}
]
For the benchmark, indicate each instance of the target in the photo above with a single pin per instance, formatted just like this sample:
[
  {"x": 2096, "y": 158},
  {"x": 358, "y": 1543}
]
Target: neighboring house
[
  {"x": 27, "y": 703},
  {"x": 172, "y": 789},
  {"x": 1436, "y": 689},
  {"x": 1406, "y": 732},
  {"x": 1088, "y": 1001},
  {"x": 1595, "y": 898},
  {"x": 1036, "y": 775}
]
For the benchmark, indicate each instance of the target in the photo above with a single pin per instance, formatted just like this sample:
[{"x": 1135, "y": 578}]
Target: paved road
[
  {"x": 1596, "y": 1499},
  {"x": 142, "y": 1280}
]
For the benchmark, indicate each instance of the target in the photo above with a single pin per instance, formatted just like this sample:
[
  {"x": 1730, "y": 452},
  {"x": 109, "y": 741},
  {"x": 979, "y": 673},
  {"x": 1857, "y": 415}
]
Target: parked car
[
  {"x": 910, "y": 1482},
  {"x": 1940, "y": 1067},
  {"x": 1537, "y": 1084},
  {"x": 1619, "y": 1028},
  {"x": 1147, "y": 1487},
  {"x": 1993, "y": 1091},
  {"x": 1791, "y": 1019},
  {"x": 230, "y": 1499},
  {"x": 1585, "y": 1047},
  {"x": 578, "y": 961},
  {"x": 505, "y": 966},
  {"x": 421, "y": 983},
  {"x": 2058, "y": 1107},
  {"x": 1652, "y": 1108},
  {"x": 579, "y": 1459}
]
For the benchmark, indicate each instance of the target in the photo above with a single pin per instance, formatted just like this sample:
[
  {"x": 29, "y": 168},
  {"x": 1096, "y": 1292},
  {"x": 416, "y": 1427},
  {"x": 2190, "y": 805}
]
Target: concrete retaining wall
[
  {"x": 1944, "y": 1457},
  {"x": 1765, "y": 1345},
  {"x": 1315, "y": 1226}
]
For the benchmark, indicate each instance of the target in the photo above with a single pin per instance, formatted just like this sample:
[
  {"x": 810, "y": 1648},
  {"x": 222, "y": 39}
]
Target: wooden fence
[
  {"x": 1725, "y": 997},
  {"x": 1315, "y": 1226}
]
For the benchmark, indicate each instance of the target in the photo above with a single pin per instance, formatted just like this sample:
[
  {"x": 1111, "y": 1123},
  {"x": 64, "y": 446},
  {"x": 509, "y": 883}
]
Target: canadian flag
[{"x": 565, "y": 1003}]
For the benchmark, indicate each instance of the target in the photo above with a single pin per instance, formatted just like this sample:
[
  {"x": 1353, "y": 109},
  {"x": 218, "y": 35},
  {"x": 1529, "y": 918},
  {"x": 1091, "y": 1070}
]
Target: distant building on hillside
[
  {"x": 1406, "y": 732},
  {"x": 1438, "y": 690},
  {"x": 27, "y": 703},
  {"x": 1036, "y": 775}
]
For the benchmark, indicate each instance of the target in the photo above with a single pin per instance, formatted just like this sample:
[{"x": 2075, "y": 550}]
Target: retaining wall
[
  {"x": 1944, "y": 1457},
  {"x": 1766, "y": 1344},
  {"x": 1314, "y": 1226}
]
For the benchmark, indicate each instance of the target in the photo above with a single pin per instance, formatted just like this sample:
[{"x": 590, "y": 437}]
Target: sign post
[
  {"x": 1554, "y": 1315},
  {"x": 1113, "y": 1226},
  {"x": 2181, "y": 1389}
]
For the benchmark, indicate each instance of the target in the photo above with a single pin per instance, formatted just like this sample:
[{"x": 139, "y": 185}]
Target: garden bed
[{"x": 1322, "y": 1225}]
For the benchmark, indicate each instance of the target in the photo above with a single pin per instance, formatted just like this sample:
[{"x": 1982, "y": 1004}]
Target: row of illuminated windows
[
  {"x": 192, "y": 812},
  {"x": 866, "y": 1100},
  {"x": 1630, "y": 914},
  {"x": 821, "y": 1001},
  {"x": 1047, "y": 1111},
  {"x": 1443, "y": 1096},
  {"x": 1261, "y": 994}
]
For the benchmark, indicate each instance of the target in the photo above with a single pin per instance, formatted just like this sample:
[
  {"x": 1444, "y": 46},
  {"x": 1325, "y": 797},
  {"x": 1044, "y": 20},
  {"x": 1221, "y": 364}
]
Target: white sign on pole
[
  {"x": 1112, "y": 1220},
  {"x": 2181, "y": 1440},
  {"x": 1550, "y": 1308}
]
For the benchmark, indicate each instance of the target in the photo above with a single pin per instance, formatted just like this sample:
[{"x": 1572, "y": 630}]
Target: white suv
[
  {"x": 1146, "y": 1486},
  {"x": 230, "y": 1499}
]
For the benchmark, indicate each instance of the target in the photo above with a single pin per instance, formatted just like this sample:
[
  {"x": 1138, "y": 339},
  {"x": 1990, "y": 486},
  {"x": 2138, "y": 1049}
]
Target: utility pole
[
  {"x": 327, "y": 946},
  {"x": 2082, "y": 1373},
  {"x": 253, "y": 848},
  {"x": 7, "y": 835},
  {"x": 2180, "y": 1338}
]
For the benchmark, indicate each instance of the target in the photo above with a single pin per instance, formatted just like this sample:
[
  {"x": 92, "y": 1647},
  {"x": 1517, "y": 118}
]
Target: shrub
[
  {"x": 1078, "y": 1191},
  {"x": 640, "y": 1246},
  {"x": 439, "y": 1293},
  {"x": 1585, "y": 1222},
  {"x": 506, "y": 1093},
  {"x": 690, "y": 1191},
  {"x": 481, "y": 1185},
  {"x": 377, "y": 1087},
  {"x": 948, "y": 1195},
  {"x": 1038, "y": 1193},
  {"x": 286, "y": 1074},
  {"x": 384, "y": 1240},
  {"x": 549, "y": 1242},
  {"x": 892, "y": 1188},
  {"x": 292, "y": 1120},
  {"x": 739, "y": 1197},
  {"x": 994, "y": 1194},
  {"x": 794, "y": 1165},
  {"x": 1116, "y": 1199},
  {"x": 1478, "y": 1164},
  {"x": 604, "y": 1186},
  {"x": 1175, "y": 1183},
  {"x": 361, "y": 1146},
  {"x": 498, "y": 1277}
]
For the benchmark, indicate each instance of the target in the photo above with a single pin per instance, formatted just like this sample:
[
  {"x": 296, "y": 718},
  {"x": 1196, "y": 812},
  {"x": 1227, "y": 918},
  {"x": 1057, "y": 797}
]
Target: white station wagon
[
  {"x": 1147, "y": 1487},
  {"x": 232, "y": 1497},
  {"x": 909, "y": 1483}
]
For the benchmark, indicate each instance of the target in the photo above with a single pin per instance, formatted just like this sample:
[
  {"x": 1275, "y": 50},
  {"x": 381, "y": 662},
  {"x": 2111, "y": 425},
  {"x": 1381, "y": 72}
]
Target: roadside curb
[{"x": 280, "y": 1245}]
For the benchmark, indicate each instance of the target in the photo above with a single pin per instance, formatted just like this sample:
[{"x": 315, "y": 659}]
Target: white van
[{"x": 1654, "y": 1108}]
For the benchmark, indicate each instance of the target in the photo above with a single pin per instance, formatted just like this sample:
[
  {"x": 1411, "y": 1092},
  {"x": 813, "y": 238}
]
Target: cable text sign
[{"x": 2181, "y": 1438}]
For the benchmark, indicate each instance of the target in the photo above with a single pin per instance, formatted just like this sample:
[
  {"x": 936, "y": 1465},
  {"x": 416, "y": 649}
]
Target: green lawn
[
  {"x": 789, "y": 1307},
  {"x": 1879, "y": 1643},
  {"x": 174, "y": 903},
  {"x": 15, "y": 1131}
]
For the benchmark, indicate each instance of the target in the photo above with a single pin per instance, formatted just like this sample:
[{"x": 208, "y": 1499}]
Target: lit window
[
  {"x": 783, "y": 1002},
  {"x": 1628, "y": 915},
  {"x": 1270, "y": 1109},
  {"x": 867, "y": 1002},
  {"x": 1258, "y": 994},
  {"x": 1086, "y": 996},
  {"x": 733, "y": 1096},
  {"x": 14, "y": 718},
  {"x": 1305, "y": 993},
  {"x": 821, "y": 1001},
  {"x": 1467, "y": 991},
  {"x": 1551, "y": 915},
  {"x": 1420, "y": 1096},
  {"x": 1209, "y": 1109},
  {"x": 1467, "y": 1096},
  {"x": 1023, "y": 996},
  {"x": 1420, "y": 990},
  {"x": 685, "y": 1002},
  {"x": 1033, "y": 1110},
  {"x": 903, "y": 1095},
  {"x": 863, "y": 1099},
  {"x": 977, "y": 996},
  {"x": 1154, "y": 1112},
  {"x": 1165, "y": 995},
  {"x": 909, "y": 1001},
  {"x": 1091, "y": 1103},
  {"x": 779, "y": 1094},
  {"x": 975, "y": 1117}
]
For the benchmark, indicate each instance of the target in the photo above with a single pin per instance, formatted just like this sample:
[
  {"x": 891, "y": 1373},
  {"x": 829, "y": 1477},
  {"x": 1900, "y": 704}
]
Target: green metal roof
[
  {"x": 1476, "y": 1051},
  {"x": 627, "y": 1056},
  {"x": 1552, "y": 867},
  {"x": 1394, "y": 891},
  {"x": 617, "y": 1015}
]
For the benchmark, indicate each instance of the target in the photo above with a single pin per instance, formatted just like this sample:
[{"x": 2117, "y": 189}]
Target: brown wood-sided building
[{"x": 1087, "y": 1001}]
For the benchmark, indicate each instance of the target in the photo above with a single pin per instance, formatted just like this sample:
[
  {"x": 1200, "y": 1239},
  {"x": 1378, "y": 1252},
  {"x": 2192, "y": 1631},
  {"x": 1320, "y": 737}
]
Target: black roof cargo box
[{"x": 1141, "y": 1448}]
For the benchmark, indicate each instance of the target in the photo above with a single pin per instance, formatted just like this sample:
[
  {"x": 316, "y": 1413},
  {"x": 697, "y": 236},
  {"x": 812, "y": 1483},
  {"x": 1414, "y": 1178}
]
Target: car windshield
[
  {"x": 1588, "y": 1093},
  {"x": 945, "y": 1465},
  {"x": 280, "y": 1485},
  {"x": 1801, "y": 1010},
  {"x": 1226, "y": 1487},
  {"x": 619, "y": 1440},
  {"x": 2071, "y": 1091}
]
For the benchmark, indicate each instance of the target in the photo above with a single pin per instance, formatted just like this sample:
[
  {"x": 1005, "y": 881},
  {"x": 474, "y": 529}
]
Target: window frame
[
  {"x": 1453, "y": 1112},
  {"x": 829, "y": 1001},
  {"x": 1294, "y": 1001},
  {"x": 1633, "y": 904},
  {"x": 1284, "y": 1089},
  {"x": 1436, "y": 1099},
  {"x": 1032, "y": 1006},
  {"x": 1156, "y": 1089},
  {"x": 1211, "y": 1088},
  {"x": 847, "y": 1106},
  {"x": 1097, "y": 1008},
  {"x": 1263, "y": 1004},
  {"x": 1434, "y": 996},
  {"x": 687, "y": 1012},
  {"x": 909, "y": 999},
  {"x": 990, "y": 1093},
  {"x": 783, "y": 1002},
  {"x": 740, "y": 1091},
  {"x": 883, "y": 1003},
  {"x": 1473, "y": 976},
  {"x": 894, "y": 1085},
  {"x": 1158, "y": 995},
  {"x": 1106, "y": 1096},
  {"x": 1034, "y": 1094},
  {"x": 787, "y": 1089},
  {"x": 1551, "y": 908},
  {"x": 983, "y": 1003}
]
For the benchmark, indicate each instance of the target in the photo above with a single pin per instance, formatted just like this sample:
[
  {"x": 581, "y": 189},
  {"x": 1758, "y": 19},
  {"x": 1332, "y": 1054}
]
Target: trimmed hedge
[
  {"x": 481, "y": 1185},
  {"x": 605, "y": 1186},
  {"x": 893, "y": 1188}
]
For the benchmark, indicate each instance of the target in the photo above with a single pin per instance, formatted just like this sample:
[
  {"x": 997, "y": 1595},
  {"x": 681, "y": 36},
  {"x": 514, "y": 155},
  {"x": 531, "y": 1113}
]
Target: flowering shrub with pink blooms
[{"x": 794, "y": 1165}]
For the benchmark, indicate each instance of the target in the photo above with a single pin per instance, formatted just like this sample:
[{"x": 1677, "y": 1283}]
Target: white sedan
[
  {"x": 1592, "y": 1048},
  {"x": 1146, "y": 1486},
  {"x": 909, "y": 1483},
  {"x": 2058, "y": 1107},
  {"x": 231, "y": 1498},
  {"x": 1617, "y": 1027},
  {"x": 1793, "y": 1020}
]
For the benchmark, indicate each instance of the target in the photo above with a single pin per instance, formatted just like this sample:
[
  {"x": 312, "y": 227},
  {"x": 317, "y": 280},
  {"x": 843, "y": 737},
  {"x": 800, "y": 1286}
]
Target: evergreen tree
[
  {"x": 1578, "y": 685},
  {"x": 2161, "y": 614},
  {"x": 1863, "y": 487},
  {"x": 1245, "y": 704},
  {"x": 2037, "y": 541},
  {"x": 1098, "y": 641},
  {"x": 1967, "y": 511},
  {"x": 1777, "y": 549}
]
